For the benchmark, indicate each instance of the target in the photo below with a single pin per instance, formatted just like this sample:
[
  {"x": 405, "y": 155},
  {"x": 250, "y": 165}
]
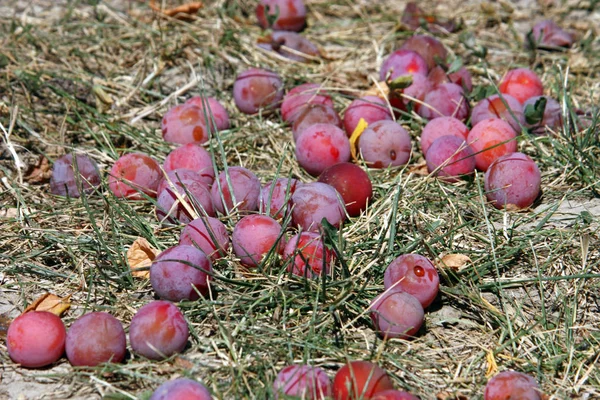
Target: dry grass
[{"x": 96, "y": 77}]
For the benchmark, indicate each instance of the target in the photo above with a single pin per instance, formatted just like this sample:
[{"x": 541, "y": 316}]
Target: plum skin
[
  {"x": 352, "y": 183},
  {"x": 134, "y": 173},
  {"x": 36, "y": 339},
  {"x": 181, "y": 389},
  {"x": 413, "y": 274},
  {"x": 302, "y": 381},
  {"x": 315, "y": 201},
  {"x": 254, "y": 236},
  {"x": 444, "y": 151},
  {"x": 307, "y": 254},
  {"x": 442, "y": 126},
  {"x": 512, "y": 385},
  {"x": 490, "y": 139},
  {"x": 63, "y": 180},
  {"x": 255, "y": 89},
  {"x": 158, "y": 330},
  {"x": 513, "y": 180},
  {"x": 95, "y": 338},
  {"x": 396, "y": 314},
  {"x": 202, "y": 233},
  {"x": 360, "y": 380},
  {"x": 320, "y": 146},
  {"x": 180, "y": 272}
]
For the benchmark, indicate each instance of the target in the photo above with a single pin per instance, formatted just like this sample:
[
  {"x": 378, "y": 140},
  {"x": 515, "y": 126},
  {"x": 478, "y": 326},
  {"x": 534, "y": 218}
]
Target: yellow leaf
[
  {"x": 360, "y": 127},
  {"x": 51, "y": 303},
  {"x": 140, "y": 256},
  {"x": 455, "y": 261},
  {"x": 492, "y": 367}
]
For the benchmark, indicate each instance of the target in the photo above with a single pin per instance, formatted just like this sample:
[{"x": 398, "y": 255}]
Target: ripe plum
[
  {"x": 185, "y": 123},
  {"x": 282, "y": 42},
  {"x": 428, "y": 47},
  {"x": 191, "y": 188},
  {"x": 180, "y": 273},
  {"x": 447, "y": 99},
  {"x": 522, "y": 84},
  {"x": 396, "y": 314},
  {"x": 134, "y": 174},
  {"x": 291, "y": 14},
  {"x": 385, "y": 144},
  {"x": 352, "y": 183},
  {"x": 370, "y": 108},
  {"x": 246, "y": 190},
  {"x": 453, "y": 155},
  {"x": 402, "y": 62},
  {"x": 95, "y": 338},
  {"x": 300, "y": 97},
  {"x": 320, "y": 146},
  {"x": 158, "y": 330},
  {"x": 512, "y": 385},
  {"x": 513, "y": 180},
  {"x": 254, "y": 236},
  {"x": 490, "y": 139},
  {"x": 193, "y": 157},
  {"x": 315, "y": 114},
  {"x": 494, "y": 107},
  {"x": 63, "y": 181},
  {"x": 413, "y": 274},
  {"x": 208, "y": 234},
  {"x": 212, "y": 109},
  {"x": 276, "y": 197},
  {"x": 181, "y": 389},
  {"x": 255, "y": 89},
  {"x": 442, "y": 126},
  {"x": 309, "y": 255},
  {"x": 360, "y": 380},
  {"x": 314, "y": 201},
  {"x": 303, "y": 381}
]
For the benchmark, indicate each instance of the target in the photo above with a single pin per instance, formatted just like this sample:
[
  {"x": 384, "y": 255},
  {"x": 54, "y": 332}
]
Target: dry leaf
[
  {"x": 140, "y": 255},
  {"x": 40, "y": 172},
  {"x": 183, "y": 363},
  {"x": 419, "y": 169},
  {"x": 492, "y": 367},
  {"x": 51, "y": 303},
  {"x": 4, "y": 323},
  {"x": 455, "y": 261},
  {"x": 379, "y": 89},
  {"x": 180, "y": 12},
  {"x": 360, "y": 128}
]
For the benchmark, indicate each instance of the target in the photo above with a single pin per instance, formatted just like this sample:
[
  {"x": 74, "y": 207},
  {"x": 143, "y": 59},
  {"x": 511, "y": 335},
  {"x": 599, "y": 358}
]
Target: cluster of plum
[
  {"x": 189, "y": 189},
  {"x": 367, "y": 380},
  {"x": 158, "y": 330}
]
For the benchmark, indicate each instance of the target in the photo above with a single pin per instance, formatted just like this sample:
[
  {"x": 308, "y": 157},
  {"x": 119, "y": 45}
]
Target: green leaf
[
  {"x": 534, "y": 113},
  {"x": 271, "y": 18},
  {"x": 455, "y": 65}
]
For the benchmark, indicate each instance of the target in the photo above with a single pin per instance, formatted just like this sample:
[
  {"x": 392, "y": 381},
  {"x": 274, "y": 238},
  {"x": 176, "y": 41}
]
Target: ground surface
[{"x": 96, "y": 77}]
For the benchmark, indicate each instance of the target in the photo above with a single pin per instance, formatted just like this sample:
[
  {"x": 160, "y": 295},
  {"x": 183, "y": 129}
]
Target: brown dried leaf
[
  {"x": 4, "y": 323},
  {"x": 140, "y": 255},
  {"x": 419, "y": 169},
  {"x": 40, "y": 172},
  {"x": 183, "y": 363},
  {"x": 455, "y": 261},
  {"x": 180, "y": 12},
  {"x": 51, "y": 303},
  {"x": 379, "y": 89}
]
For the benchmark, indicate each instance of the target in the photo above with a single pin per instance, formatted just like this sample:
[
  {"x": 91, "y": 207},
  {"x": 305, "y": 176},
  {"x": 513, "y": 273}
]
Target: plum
[
  {"x": 447, "y": 99},
  {"x": 320, "y": 146},
  {"x": 490, "y": 139},
  {"x": 512, "y": 181},
  {"x": 402, "y": 62},
  {"x": 36, "y": 339},
  {"x": 315, "y": 114},
  {"x": 360, "y": 380},
  {"x": 307, "y": 255},
  {"x": 428, "y": 47},
  {"x": 193, "y": 157},
  {"x": 385, "y": 144},
  {"x": 369, "y": 108},
  {"x": 352, "y": 183},
  {"x": 512, "y": 385},
  {"x": 548, "y": 33},
  {"x": 158, "y": 330},
  {"x": 304, "y": 381},
  {"x": 63, "y": 181},
  {"x": 189, "y": 187},
  {"x": 300, "y": 97},
  {"x": 181, "y": 389},
  {"x": 276, "y": 197},
  {"x": 95, "y": 338},
  {"x": 133, "y": 175},
  {"x": 208, "y": 234},
  {"x": 315, "y": 201},
  {"x": 291, "y": 14},
  {"x": 246, "y": 190},
  {"x": 213, "y": 111},
  {"x": 181, "y": 273},
  {"x": 185, "y": 123},
  {"x": 522, "y": 84},
  {"x": 442, "y": 126},
  {"x": 256, "y": 89},
  {"x": 396, "y": 314},
  {"x": 452, "y": 156},
  {"x": 414, "y": 274},
  {"x": 290, "y": 45},
  {"x": 254, "y": 236},
  {"x": 496, "y": 107}
]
